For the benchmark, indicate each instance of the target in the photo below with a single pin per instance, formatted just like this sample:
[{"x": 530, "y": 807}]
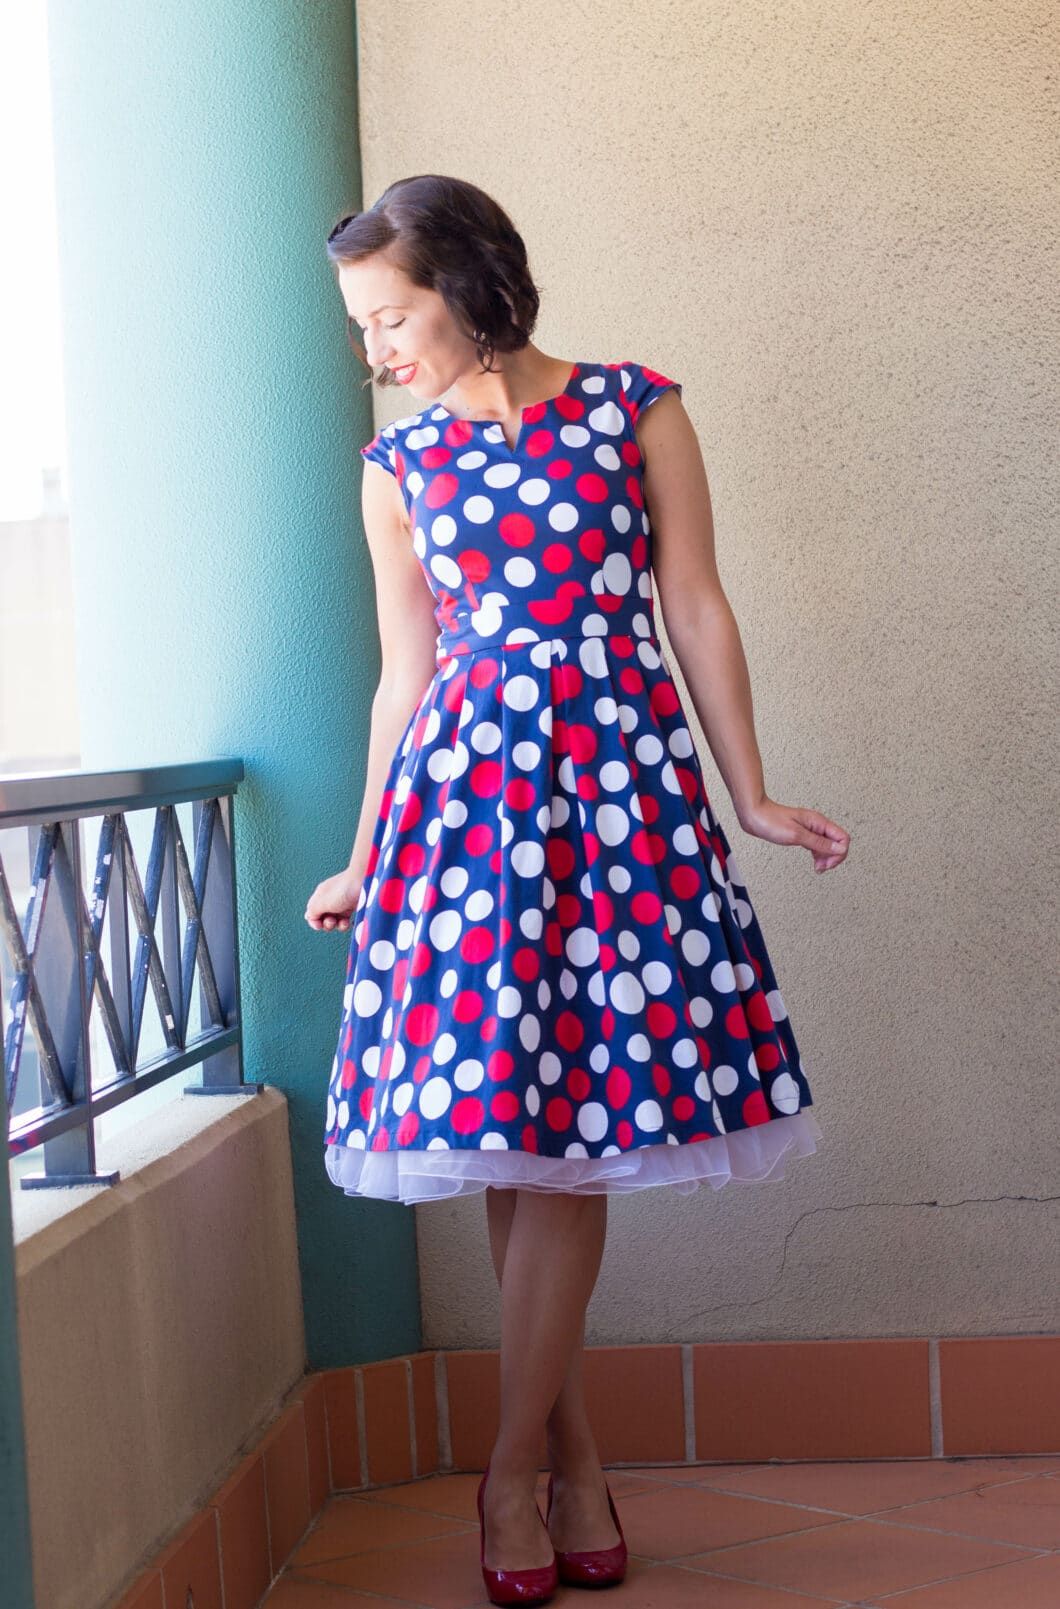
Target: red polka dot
[
  {"x": 661, "y": 1079},
  {"x": 662, "y": 1019},
  {"x": 392, "y": 894},
  {"x": 754, "y": 1109},
  {"x": 556, "y": 558},
  {"x": 407, "y": 1129},
  {"x": 483, "y": 673},
  {"x": 478, "y": 839},
  {"x": 421, "y": 1024},
  {"x": 349, "y": 1074},
  {"x": 539, "y": 442},
  {"x": 468, "y": 1115},
  {"x": 767, "y": 1058},
  {"x": 592, "y": 546},
  {"x": 736, "y": 1021},
  {"x": 647, "y": 909},
  {"x": 558, "y": 1113},
  {"x": 485, "y": 778},
  {"x": 474, "y": 564},
  {"x": 684, "y": 1108},
  {"x": 442, "y": 490},
  {"x": 467, "y": 1005},
  {"x": 518, "y": 530},
  {"x": 381, "y": 1141},
  {"x": 500, "y": 1065},
  {"x": 477, "y": 944},
  {"x": 578, "y": 1084},
  {"x": 528, "y": 1140},
  {"x": 593, "y": 488},
  {"x": 504, "y": 1106},
  {"x": 619, "y": 1087},
  {"x": 519, "y": 794},
  {"x": 624, "y": 1135},
  {"x": 569, "y": 1031}
]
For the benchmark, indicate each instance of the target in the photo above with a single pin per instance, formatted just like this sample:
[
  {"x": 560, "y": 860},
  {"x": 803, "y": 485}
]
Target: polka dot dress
[{"x": 556, "y": 978}]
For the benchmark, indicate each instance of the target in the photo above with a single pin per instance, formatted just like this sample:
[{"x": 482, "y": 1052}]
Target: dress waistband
[{"x": 514, "y": 624}]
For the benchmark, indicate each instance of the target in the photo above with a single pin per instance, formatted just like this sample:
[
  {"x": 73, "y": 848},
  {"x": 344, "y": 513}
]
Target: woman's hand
[
  {"x": 333, "y": 902},
  {"x": 794, "y": 824}
]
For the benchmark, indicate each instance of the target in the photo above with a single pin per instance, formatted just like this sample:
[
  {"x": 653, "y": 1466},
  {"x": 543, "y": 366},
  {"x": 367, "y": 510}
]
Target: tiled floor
[{"x": 931, "y": 1534}]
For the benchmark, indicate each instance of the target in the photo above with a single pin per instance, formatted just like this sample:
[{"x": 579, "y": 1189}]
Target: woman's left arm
[{"x": 702, "y": 629}]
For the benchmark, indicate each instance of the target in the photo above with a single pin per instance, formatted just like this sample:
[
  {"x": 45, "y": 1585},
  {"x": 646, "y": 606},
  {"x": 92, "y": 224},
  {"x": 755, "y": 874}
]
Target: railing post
[{"x": 16, "y": 1549}]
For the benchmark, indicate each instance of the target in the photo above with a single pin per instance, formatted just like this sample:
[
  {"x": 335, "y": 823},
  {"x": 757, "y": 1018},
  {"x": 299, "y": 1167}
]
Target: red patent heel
[
  {"x": 595, "y": 1567},
  {"x": 535, "y": 1585}
]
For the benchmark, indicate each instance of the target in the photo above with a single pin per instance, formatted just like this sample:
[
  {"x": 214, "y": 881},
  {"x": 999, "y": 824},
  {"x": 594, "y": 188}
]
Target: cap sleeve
[
  {"x": 644, "y": 386},
  {"x": 380, "y": 450}
]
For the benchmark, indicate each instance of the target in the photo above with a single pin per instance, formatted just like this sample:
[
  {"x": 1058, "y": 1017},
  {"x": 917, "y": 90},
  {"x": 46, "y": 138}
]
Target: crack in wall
[{"x": 849, "y": 1206}]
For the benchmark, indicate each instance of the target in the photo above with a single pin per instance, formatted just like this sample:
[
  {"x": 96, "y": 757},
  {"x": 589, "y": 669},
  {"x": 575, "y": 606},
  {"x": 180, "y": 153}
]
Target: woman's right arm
[{"x": 408, "y": 637}]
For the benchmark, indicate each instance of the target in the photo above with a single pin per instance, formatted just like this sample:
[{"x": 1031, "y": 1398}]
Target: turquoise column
[
  {"x": 15, "y": 1547},
  {"x": 224, "y": 596}
]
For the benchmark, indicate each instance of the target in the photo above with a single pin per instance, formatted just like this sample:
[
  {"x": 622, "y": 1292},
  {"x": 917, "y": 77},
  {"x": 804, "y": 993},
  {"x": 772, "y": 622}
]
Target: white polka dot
[
  {"x": 447, "y": 571},
  {"x": 445, "y": 929},
  {"x": 724, "y": 1079},
  {"x": 478, "y": 510},
  {"x": 614, "y": 775},
  {"x": 563, "y": 516},
  {"x": 493, "y": 1142},
  {"x": 526, "y": 755},
  {"x": 723, "y": 978},
  {"x": 520, "y": 692},
  {"x": 468, "y": 1074},
  {"x": 535, "y": 492},
  {"x": 592, "y": 1121},
  {"x": 583, "y": 946},
  {"x": 485, "y": 737},
  {"x": 612, "y": 824},
  {"x": 519, "y": 572},
  {"x": 784, "y": 1094},
  {"x": 367, "y": 998},
  {"x": 549, "y": 1068},
  {"x": 626, "y": 993},
  {"x": 777, "y": 1009},
  {"x": 648, "y": 1116},
  {"x": 435, "y": 1096},
  {"x": 528, "y": 858},
  {"x": 532, "y": 1100}
]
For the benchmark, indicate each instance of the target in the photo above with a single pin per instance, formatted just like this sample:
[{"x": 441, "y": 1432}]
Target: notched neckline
[{"x": 483, "y": 423}]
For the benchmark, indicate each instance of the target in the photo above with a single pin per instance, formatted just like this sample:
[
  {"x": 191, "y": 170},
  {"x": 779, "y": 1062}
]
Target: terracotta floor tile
[
  {"x": 297, "y": 1592},
  {"x": 1029, "y": 1584},
  {"x": 669, "y": 1586},
  {"x": 676, "y": 1520},
  {"x": 1025, "y": 1512},
  {"x": 363, "y": 1525},
  {"x": 852, "y": 1559},
  {"x": 444, "y": 1572},
  {"x": 866, "y": 1488}
]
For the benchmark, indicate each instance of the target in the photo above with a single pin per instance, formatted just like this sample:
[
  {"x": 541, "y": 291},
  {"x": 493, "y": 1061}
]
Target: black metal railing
[{"x": 91, "y": 951}]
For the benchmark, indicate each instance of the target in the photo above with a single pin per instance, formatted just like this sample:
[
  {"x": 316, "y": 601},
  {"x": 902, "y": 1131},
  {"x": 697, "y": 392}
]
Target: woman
[{"x": 557, "y": 986}]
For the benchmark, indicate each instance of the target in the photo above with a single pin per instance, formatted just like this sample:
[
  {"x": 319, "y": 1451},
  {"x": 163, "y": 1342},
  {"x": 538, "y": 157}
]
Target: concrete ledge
[{"x": 160, "y": 1328}]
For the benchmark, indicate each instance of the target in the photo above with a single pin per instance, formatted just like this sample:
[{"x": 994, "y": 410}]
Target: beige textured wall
[
  {"x": 160, "y": 1327},
  {"x": 836, "y": 224}
]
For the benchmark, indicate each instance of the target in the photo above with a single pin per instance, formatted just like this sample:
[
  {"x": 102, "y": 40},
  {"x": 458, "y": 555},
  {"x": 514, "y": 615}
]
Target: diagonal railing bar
[
  {"x": 25, "y": 1003},
  {"x": 192, "y": 889},
  {"x": 147, "y": 964},
  {"x": 97, "y": 984},
  {"x": 184, "y": 918}
]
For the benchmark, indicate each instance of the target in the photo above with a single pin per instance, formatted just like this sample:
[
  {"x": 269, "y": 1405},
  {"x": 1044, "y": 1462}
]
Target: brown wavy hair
[{"x": 451, "y": 237}]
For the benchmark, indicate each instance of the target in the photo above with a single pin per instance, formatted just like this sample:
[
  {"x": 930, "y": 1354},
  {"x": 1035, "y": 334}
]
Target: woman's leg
[{"x": 546, "y": 1252}]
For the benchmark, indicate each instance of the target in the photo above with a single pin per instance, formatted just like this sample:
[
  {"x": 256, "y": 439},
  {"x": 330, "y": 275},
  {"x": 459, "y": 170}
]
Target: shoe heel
[
  {"x": 535, "y": 1585},
  {"x": 593, "y": 1567}
]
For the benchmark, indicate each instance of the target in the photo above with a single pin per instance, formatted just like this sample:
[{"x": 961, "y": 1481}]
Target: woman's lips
[{"x": 404, "y": 375}]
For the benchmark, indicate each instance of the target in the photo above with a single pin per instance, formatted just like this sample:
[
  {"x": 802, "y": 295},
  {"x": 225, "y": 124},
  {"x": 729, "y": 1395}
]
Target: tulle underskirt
[{"x": 410, "y": 1176}]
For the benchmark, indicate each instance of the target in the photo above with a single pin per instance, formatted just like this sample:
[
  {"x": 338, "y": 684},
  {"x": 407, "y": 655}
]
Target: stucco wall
[{"x": 836, "y": 225}]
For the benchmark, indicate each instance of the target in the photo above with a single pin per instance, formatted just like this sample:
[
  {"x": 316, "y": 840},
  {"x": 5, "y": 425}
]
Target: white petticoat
[{"x": 410, "y": 1176}]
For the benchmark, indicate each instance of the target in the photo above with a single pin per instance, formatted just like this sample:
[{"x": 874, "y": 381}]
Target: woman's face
[{"x": 406, "y": 328}]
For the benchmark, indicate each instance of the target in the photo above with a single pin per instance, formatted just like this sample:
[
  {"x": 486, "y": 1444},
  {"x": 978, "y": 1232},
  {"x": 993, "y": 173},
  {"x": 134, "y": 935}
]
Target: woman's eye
[{"x": 396, "y": 326}]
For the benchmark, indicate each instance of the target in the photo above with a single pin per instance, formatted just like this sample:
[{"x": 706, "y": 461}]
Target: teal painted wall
[{"x": 224, "y": 595}]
